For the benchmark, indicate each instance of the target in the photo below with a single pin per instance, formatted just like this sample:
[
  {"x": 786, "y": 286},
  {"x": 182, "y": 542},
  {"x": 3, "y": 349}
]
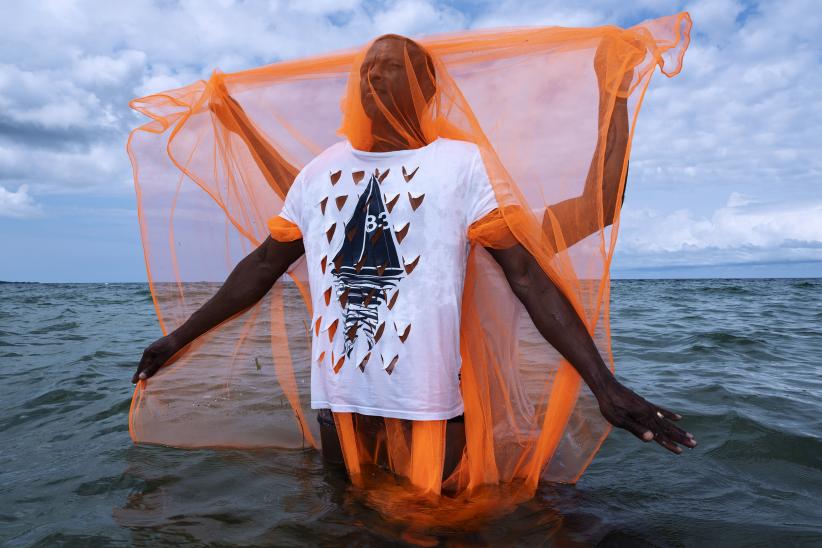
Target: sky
[{"x": 725, "y": 168}]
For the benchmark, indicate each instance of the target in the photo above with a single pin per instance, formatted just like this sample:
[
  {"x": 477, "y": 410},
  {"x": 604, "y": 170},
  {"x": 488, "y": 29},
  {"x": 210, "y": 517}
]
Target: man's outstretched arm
[
  {"x": 250, "y": 280},
  {"x": 560, "y": 325}
]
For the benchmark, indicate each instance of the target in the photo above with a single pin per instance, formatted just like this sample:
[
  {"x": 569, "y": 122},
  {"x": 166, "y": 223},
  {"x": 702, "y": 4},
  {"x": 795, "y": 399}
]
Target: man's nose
[{"x": 374, "y": 75}]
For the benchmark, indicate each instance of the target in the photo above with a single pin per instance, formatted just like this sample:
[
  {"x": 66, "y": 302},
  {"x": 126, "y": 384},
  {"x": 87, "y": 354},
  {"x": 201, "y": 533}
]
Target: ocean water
[{"x": 740, "y": 359}]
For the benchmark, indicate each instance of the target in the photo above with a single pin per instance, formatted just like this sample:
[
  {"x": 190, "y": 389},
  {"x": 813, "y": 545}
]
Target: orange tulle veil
[{"x": 539, "y": 103}]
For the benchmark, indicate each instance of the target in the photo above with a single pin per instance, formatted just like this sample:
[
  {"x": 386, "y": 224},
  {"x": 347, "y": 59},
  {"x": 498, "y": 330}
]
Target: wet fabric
[
  {"x": 552, "y": 112},
  {"x": 386, "y": 250}
]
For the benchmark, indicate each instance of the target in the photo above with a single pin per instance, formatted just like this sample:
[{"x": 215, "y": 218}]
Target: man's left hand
[{"x": 626, "y": 409}]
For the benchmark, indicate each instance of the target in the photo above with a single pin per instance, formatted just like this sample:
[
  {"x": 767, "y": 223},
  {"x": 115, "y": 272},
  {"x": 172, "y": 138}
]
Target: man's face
[{"x": 384, "y": 68}]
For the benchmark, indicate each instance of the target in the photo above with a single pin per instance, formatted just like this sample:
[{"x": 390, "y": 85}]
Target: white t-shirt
[{"x": 385, "y": 236}]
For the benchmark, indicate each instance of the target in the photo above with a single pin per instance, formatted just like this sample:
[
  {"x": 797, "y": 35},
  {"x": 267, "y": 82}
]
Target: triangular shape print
[{"x": 366, "y": 266}]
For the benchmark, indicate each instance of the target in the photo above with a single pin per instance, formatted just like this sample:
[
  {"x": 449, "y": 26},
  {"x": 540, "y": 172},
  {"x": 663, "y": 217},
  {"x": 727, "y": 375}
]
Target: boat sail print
[{"x": 366, "y": 266}]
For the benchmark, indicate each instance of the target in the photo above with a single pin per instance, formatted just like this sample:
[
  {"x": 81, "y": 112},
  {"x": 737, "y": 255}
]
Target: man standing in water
[{"x": 386, "y": 292}]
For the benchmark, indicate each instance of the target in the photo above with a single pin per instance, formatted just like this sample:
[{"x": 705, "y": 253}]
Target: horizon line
[{"x": 145, "y": 282}]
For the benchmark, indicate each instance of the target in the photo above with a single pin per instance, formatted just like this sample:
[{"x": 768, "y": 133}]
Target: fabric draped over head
[{"x": 212, "y": 168}]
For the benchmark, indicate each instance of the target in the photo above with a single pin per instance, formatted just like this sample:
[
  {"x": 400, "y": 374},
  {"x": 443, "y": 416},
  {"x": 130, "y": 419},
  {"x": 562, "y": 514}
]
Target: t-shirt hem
[{"x": 390, "y": 413}]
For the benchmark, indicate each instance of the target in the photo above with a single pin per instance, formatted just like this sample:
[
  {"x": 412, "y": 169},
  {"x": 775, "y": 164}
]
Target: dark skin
[{"x": 553, "y": 315}]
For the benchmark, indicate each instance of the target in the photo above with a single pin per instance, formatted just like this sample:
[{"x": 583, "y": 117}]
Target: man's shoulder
[
  {"x": 458, "y": 147},
  {"x": 462, "y": 155},
  {"x": 324, "y": 161}
]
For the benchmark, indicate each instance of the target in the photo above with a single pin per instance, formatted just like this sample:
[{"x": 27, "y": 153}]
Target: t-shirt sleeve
[
  {"x": 481, "y": 197},
  {"x": 287, "y": 225}
]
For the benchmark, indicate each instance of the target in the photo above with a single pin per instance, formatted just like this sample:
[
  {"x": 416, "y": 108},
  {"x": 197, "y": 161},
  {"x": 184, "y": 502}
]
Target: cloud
[
  {"x": 18, "y": 204},
  {"x": 742, "y": 117},
  {"x": 742, "y": 231},
  {"x": 38, "y": 99},
  {"x": 64, "y": 114},
  {"x": 413, "y": 17},
  {"x": 510, "y": 13},
  {"x": 744, "y": 110},
  {"x": 716, "y": 19},
  {"x": 98, "y": 167}
]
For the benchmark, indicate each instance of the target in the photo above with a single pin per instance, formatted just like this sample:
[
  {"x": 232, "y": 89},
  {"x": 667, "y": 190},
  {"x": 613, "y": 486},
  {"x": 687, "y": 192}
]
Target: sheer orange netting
[{"x": 544, "y": 105}]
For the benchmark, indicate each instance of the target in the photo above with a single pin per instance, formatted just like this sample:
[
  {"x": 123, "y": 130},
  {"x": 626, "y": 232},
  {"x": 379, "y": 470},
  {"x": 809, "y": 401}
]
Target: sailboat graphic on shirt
[{"x": 366, "y": 266}]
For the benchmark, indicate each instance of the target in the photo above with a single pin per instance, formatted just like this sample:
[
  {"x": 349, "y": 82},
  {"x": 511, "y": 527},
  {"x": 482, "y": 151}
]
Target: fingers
[
  {"x": 639, "y": 430},
  {"x": 138, "y": 375},
  {"x": 151, "y": 370},
  {"x": 672, "y": 431},
  {"x": 677, "y": 434},
  {"x": 670, "y": 415},
  {"x": 646, "y": 421},
  {"x": 149, "y": 365},
  {"x": 143, "y": 373},
  {"x": 668, "y": 444},
  {"x": 669, "y": 435},
  {"x": 661, "y": 431}
]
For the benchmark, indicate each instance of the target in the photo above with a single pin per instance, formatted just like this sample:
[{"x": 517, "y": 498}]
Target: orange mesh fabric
[
  {"x": 543, "y": 105},
  {"x": 282, "y": 230}
]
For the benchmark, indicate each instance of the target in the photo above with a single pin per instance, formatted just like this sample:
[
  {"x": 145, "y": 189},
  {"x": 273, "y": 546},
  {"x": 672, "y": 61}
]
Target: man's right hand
[
  {"x": 225, "y": 108},
  {"x": 250, "y": 280},
  {"x": 154, "y": 357}
]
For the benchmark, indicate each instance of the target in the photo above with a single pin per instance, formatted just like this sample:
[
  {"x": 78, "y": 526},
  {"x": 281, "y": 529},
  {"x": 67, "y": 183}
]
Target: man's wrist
[
  {"x": 602, "y": 383},
  {"x": 177, "y": 338}
]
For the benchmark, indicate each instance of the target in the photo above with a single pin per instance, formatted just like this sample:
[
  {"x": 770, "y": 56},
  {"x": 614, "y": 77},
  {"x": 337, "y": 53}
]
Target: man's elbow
[
  {"x": 520, "y": 285},
  {"x": 520, "y": 273},
  {"x": 264, "y": 271},
  {"x": 535, "y": 290},
  {"x": 266, "y": 275}
]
